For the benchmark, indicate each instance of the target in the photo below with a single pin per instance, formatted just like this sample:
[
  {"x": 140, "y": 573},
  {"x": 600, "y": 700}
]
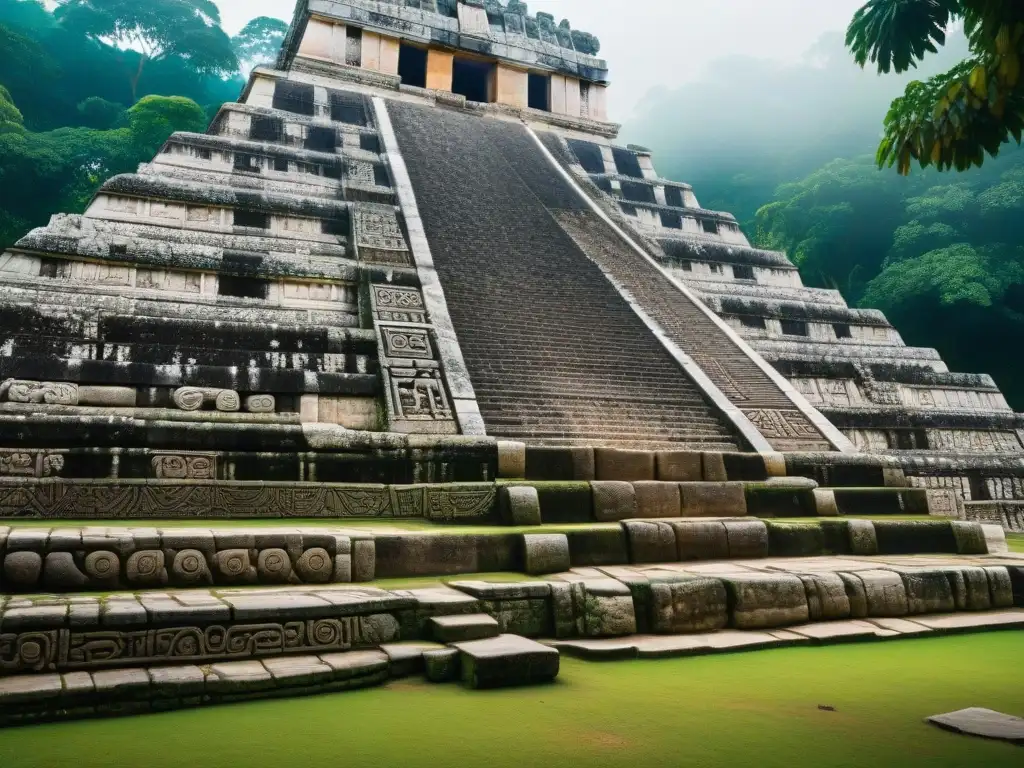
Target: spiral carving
[
  {"x": 260, "y": 404},
  {"x": 189, "y": 567},
  {"x": 274, "y": 566},
  {"x": 228, "y": 400},
  {"x": 103, "y": 566},
  {"x": 147, "y": 567},
  {"x": 315, "y": 566},
  {"x": 189, "y": 398}
]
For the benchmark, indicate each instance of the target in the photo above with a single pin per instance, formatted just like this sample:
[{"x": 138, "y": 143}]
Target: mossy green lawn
[
  {"x": 759, "y": 708},
  {"x": 1016, "y": 541}
]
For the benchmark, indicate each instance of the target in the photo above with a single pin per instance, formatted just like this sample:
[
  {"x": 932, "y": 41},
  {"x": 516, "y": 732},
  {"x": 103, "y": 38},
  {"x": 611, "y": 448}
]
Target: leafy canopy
[
  {"x": 259, "y": 41},
  {"x": 951, "y": 120}
]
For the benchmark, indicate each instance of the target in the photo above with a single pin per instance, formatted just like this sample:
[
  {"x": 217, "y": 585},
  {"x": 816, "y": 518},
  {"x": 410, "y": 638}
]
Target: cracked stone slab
[{"x": 987, "y": 723}]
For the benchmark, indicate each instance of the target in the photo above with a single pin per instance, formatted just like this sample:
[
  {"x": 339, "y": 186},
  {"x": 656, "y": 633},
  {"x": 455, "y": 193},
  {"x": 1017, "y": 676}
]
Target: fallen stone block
[
  {"x": 748, "y": 539},
  {"x": 713, "y": 499},
  {"x": 650, "y": 541},
  {"x": 701, "y": 539},
  {"x": 763, "y": 601},
  {"x": 679, "y": 466},
  {"x": 626, "y": 465},
  {"x": 406, "y": 658},
  {"x": 441, "y": 666},
  {"x": 987, "y": 723},
  {"x": 656, "y": 500},
  {"x": 464, "y": 627},
  {"x": 546, "y": 553},
  {"x": 613, "y": 501},
  {"x": 520, "y": 505},
  {"x": 690, "y": 605},
  {"x": 507, "y": 660}
]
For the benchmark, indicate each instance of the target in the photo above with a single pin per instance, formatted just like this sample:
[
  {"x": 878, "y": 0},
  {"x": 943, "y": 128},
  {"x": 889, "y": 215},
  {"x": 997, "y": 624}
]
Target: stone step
[
  {"x": 507, "y": 660},
  {"x": 463, "y": 628}
]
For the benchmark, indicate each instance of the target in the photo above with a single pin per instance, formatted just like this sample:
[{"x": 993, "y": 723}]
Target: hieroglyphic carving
[
  {"x": 782, "y": 424},
  {"x": 407, "y": 343},
  {"x": 360, "y": 173},
  {"x": 721, "y": 376},
  {"x": 194, "y": 398},
  {"x": 137, "y": 499},
  {"x": 30, "y": 463},
  {"x": 261, "y": 404},
  {"x": 419, "y": 395},
  {"x": 178, "y": 466},
  {"x": 49, "y": 392},
  {"x": 400, "y": 305},
  {"x": 460, "y": 503},
  {"x": 379, "y": 237},
  {"x": 64, "y": 650}
]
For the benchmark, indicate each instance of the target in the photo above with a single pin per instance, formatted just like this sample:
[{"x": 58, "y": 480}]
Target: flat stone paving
[{"x": 977, "y": 721}]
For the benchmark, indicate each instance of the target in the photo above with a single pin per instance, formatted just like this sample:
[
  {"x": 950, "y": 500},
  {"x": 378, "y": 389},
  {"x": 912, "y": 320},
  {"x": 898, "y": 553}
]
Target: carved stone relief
[
  {"x": 379, "y": 237},
  {"x": 194, "y": 398},
  {"x": 193, "y": 466},
  {"x": 400, "y": 305},
  {"x": 30, "y": 464},
  {"x": 360, "y": 173},
  {"x": 260, "y": 404},
  {"x": 406, "y": 343},
  {"x": 419, "y": 395},
  {"x": 51, "y": 393}
]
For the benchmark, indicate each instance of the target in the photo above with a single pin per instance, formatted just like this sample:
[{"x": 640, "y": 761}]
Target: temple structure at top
[{"x": 415, "y": 235}]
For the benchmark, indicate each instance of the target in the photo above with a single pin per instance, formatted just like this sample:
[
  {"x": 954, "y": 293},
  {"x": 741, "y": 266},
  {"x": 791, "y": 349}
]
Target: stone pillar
[
  {"x": 558, "y": 94},
  {"x": 371, "y": 51},
  {"x": 572, "y": 97},
  {"x": 262, "y": 92},
  {"x": 388, "y": 55},
  {"x": 598, "y": 102},
  {"x": 318, "y": 40},
  {"x": 439, "y": 69},
  {"x": 511, "y": 87}
]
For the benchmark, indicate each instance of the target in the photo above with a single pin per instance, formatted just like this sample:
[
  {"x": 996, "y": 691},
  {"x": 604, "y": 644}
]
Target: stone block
[
  {"x": 613, "y": 501},
  {"x": 103, "y": 568},
  {"x": 651, "y": 542},
  {"x": 182, "y": 539},
  {"x": 836, "y": 536},
  {"x": 559, "y": 463},
  {"x": 713, "y": 499},
  {"x": 856, "y": 594},
  {"x": 679, "y": 466},
  {"x": 603, "y": 608},
  {"x": 826, "y": 596},
  {"x": 795, "y": 540},
  {"x": 364, "y": 560},
  {"x": 298, "y": 671},
  {"x": 190, "y": 569},
  {"x": 22, "y": 570},
  {"x": 273, "y": 566},
  {"x": 177, "y": 682},
  {"x": 342, "y": 573},
  {"x": 507, "y": 660},
  {"x": 61, "y": 574},
  {"x": 714, "y": 467},
  {"x": 656, "y": 499},
  {"x": 863, "y": 540},
  {"x": 147, "y": 568},
  {"x": 701, "y": 539},
  {"x": 623, "y": 465},
  {"x": 234, "y": 566},
  {"x": 546, "y": 553},
  {"x": 350, "y": 664},
  {"x": 928, "y": 592},
  {"x": 690, "y": 605},
  {"x": 521, "y": 505},
  {"x": 121, "y": 683},
  {"x": 237, "y": 677},
  {"x": 969, "y": 586},
  {"x": 406, "y": 658},
  {"x": 748, "y": 539},
  {"x": 1000, "y": 586},
  {"x": 562, "y": 610},
  {"x": 529, "y": 618},
  {"x": 912, "y": 537},
  {"x": 511, "y": 459},
  {"x": 315, "y": 566},
  {"x": 598, "y": 546},
  {"x": 825, "y": 502},
  {"x": 441, "y": 666},
  {"x": 28, "y": 690},
  {"x": 885, "y": 593},
  {"x": 764, "y": 601},
  {"x": 745, "y": 466},
  {"x": 565, "y": 503},
  {"x": 463, "y": 627},
  {"x": 995, "y": 539}
]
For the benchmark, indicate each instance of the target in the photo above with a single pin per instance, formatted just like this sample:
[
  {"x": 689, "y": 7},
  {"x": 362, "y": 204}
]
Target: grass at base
[
  {"x": 759, "y": 708},
  {"x": 1016, "y": 541}
]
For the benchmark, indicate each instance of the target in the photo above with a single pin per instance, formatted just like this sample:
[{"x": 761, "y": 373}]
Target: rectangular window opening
[
  {"x": 743, "y": 272},
  {"x": 291, "y": 96},
  {"x": 252, "y": 219},
  {"x": 540, "y": 92},
  {"x": 266, "y": 128},
  {"x": 321, "y": 139},
  {"x": 674, "y": 197},
  {"x": 281, "y": 164},
  {"x": 242, "y": 287},
  {"x": 794, "y": 328},
  {"x": 412, "y": 65},
  {"x": 336, "y": 227},
  {"x": 473, "y": 79},
  {"x": 710, "y": 226},
  {"x": 686, "y": 266},
  {"x": 246, "y": 163},
  {"x": 671, "y": 220},
  {"x": 842, "y": 331},
  {"x": 204, "y": 154},
  {"x": 353, "y": 46},
  {"x": 749, "y": 321}
]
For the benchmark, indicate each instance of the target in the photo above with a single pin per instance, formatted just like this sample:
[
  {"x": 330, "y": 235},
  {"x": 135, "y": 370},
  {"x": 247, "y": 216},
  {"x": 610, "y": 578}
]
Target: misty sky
[{"x": 659, "y": 42}]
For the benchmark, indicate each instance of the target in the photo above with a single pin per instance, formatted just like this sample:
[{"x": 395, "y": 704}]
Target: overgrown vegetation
[{"x": 95, "y": 87}]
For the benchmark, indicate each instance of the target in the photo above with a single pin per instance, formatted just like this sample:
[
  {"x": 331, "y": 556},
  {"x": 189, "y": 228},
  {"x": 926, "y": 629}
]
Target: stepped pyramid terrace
[{"x": 409, "y": 310}]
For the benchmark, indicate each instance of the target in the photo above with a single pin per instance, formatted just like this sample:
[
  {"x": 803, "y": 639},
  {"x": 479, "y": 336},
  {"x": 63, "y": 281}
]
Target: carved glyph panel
[
  {"x": 418, "y": 395},
  {"x": 185, "y": 466},
  {"x": 406, "y": 343},
  {"x": 15, "y": 463},
  {"x": 51, "y": 393}
]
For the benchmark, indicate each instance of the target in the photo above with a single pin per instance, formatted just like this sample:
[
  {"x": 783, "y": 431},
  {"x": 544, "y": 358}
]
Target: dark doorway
[
  {"x": 412, "y": 65},
  {"x": 540, "y": 92},
  {"x": 472, "y": 79}
]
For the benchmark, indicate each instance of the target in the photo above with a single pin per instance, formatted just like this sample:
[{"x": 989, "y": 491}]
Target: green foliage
[
  {"x": 954, "y": 119},
  {"x": 97, "y": 112},
  {"x": 259, "y": 41},
  {"x": 188, "y": 30},
  {"x": 155, "y": 118}
]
